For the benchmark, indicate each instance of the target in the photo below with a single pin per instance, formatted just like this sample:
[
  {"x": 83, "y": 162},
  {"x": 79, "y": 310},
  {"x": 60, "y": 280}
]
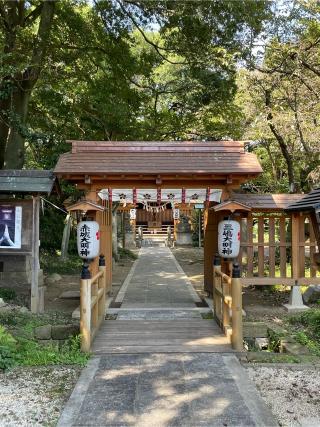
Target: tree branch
[{"x": 150, "y": 42}]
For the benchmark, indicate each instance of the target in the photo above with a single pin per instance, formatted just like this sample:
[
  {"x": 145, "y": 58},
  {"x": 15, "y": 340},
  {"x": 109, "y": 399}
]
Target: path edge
[
  {"x": 259, "y": 410},
  {"x": 73, "y": 406},
  {"x": 125, "y": 284}
]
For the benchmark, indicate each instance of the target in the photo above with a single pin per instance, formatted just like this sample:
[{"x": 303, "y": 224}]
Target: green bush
[
  {"x": 52, "y": 263},
  {"x": 308, "y": 334},
  {"x": 7, "y": 294},
  {"x": 126, "y": 254},
  {"x": 31, "y": 353},
  {"x": 23, "y": 349},
  {"x": 7, "y": 349}
]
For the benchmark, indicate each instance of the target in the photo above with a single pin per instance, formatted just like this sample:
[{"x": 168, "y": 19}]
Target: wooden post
[
  {"x": 295, "y": 234},
  {"x": 236, "y": 293},
  {"x": 66, "y": 237},
  {"x": 102, "y": 284},
  {"x": 210, "y": 247},
  {"x": 85, "y": 308},
  {"x": 217, "y": 266},
  {"x": 37, "y": 295}
]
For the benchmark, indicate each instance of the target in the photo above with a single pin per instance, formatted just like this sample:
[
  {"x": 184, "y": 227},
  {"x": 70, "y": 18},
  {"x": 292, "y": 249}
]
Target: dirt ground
[
  {"x": 259, "y": 304},
  {"x": 53, "y": 302}
]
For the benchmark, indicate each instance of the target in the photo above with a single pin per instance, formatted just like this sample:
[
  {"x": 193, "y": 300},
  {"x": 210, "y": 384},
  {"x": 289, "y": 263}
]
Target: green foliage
[
  {"x": 52, "y": 263},
  {"x": 31, "y": 353},
  {"x": 24, "y": 350},
  {"x": 7, "y": 349},
  {"x": 126, "y": 254},
  {"x": 308, "y": 324},
  {"x": 7, "y": 294}
]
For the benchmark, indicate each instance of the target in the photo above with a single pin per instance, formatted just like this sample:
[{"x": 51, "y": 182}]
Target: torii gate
[{"x": 95, "y": 165}]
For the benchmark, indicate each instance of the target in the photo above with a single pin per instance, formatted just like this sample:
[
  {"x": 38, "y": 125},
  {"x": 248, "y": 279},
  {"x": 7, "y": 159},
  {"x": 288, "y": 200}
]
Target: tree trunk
[
  {"x": 282, "y": 144},
  {"x": 12, "y": 135},
  {"x": 14, "y": 154}
]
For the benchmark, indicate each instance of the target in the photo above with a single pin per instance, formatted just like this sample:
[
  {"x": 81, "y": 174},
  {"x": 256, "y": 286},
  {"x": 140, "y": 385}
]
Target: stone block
[
  {"x": 53, "y": 278},
  {"x": 262, "y": 343},
  {"x": 43, "y": 332},
  {"x": 63, "y": 332},
  {"x": 255, "y": 330},
  {"x": 47, "y": 343},
  {"x": 312, "y": 294},
  {"x": 293, "y": 348}
]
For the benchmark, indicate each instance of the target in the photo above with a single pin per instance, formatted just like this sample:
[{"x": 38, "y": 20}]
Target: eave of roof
[
  {"x": 27, "y": 181},
  {"x": 182, "y": 158},
  {"x": 267, "y": 201},
  {"x": 308, "y": 202}
]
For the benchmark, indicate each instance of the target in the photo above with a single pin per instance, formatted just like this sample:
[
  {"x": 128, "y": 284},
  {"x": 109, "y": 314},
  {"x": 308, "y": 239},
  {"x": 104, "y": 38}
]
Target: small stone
[
  {"x": 23, "y": 310},
  {"x": 63, "y": 332},
  {"x": 312, "y": 294},
  {"x": 53, "y": 278},
  {"x": 2, "y": 303},
  {"x": 43, "y": 332}
]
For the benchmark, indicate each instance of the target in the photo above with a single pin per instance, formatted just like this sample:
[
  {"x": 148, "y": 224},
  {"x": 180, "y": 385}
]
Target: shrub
[
  {"x": 7, "y": 349},
  {"x": 7, "y": 294},
  {"x": 126, "y": 253}
]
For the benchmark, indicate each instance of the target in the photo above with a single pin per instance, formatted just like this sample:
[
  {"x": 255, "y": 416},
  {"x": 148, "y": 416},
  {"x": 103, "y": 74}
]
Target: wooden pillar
[
  {"x": 295, "y": 237},
  {"x": 210, "y": 246},
  {"x": 236, "y": 294},
  {"x": 85, "y": 309},
  {"x": 37, "y": 292}
]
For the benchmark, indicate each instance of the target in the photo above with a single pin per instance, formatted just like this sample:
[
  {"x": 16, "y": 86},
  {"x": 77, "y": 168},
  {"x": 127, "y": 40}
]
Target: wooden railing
[
  {"x": 92, "y": 303},
  {"x": 227, "y": 302},
  {"x": 277, "y": 249}
]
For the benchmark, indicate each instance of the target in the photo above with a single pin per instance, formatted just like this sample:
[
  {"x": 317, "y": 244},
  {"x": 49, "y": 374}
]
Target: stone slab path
[
  {"x": 155, "y": 281},
  {"x": 165, "y": 390},
  {"x": 160, "y": 364}
]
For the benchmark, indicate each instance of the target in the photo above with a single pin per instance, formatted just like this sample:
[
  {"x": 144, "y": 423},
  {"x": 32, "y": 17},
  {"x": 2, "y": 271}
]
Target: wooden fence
[
  {"x": 277, "y": 249},
  {"x": 92, "y": 303}
]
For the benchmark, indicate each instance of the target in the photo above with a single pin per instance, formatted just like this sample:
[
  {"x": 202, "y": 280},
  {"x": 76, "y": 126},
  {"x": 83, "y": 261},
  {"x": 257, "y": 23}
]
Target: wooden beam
[{"x": 37, "y": 294}]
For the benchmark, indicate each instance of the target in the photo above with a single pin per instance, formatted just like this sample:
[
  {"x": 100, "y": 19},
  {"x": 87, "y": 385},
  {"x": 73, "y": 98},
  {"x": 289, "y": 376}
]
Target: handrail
[
  {"x": 97, "y": 276},
  {"x": 92, "y": 302},
  {"x": 227, "y": 302}
]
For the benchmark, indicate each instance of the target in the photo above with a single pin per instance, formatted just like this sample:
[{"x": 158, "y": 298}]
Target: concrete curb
[
  {"x": 123, "y": 289},
  {"x": 261, "y": 414},
  {"x": 73, "y": 406}
]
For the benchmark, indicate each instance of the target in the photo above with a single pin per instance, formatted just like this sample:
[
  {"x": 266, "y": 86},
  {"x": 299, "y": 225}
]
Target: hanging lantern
[
  {"x": 229, "y": 238},
  {"x": 88, "y": 239},
  {"x": 176, "y": 213},
  {"x": 133, "y": 214}
]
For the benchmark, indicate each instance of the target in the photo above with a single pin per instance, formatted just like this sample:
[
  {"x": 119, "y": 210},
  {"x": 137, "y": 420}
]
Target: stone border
[
  {"x": 191, "y": 289},
  {"x": 123, "y": 289},
  {"x": 73, "y": 406},
  {"x": 260, "y": 412}
]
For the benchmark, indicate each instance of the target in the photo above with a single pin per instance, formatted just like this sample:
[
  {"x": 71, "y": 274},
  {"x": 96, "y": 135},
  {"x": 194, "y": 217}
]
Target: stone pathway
[
  {"x": 160, "y": 364},
  {"x": 157, "y": 281}
]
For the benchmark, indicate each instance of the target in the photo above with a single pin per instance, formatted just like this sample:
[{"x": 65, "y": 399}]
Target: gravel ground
[
  {"x": 34, "y": 396},
  {"x": 293, "y": 394}
]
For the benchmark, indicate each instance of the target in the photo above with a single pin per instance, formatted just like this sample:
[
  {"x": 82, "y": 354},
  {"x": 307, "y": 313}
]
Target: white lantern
[
  {"x": 228, "y": 238},
  {"x": 88, "y": 239},
  {"x": 176, "y": 213},
  {"x": 133, "y": 214}
]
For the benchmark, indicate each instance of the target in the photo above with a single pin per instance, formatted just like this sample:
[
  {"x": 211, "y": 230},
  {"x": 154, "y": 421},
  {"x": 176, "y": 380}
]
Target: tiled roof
[
  {"x": 26, "y": 181},
  {"x": 308, "y": 202},
  {"x": 267, "y": 201},
  {"x": 157, "y": 157}
]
